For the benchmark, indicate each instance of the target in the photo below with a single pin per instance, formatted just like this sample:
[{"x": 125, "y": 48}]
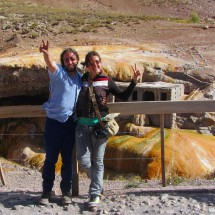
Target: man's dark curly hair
[
  {"x": 68, "y": 50},
  {"x": 89, "y": 56}
]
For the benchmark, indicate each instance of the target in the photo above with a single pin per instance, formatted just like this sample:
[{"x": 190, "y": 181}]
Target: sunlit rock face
[
  {"x": 117, "y": 60},
  {"x": 204, "y": 123},
  {"x": 24, "y": 80},
  {"x": 27, "y": 74},
  {"x": 187, "y": 154}
]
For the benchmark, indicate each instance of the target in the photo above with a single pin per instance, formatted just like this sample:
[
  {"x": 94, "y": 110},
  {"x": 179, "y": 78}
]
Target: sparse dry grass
[{"x": 42, "y": 18}]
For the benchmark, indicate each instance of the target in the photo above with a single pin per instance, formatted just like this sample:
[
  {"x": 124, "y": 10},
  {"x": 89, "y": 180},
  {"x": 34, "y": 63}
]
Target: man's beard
[{"x": 73, "y": 69}]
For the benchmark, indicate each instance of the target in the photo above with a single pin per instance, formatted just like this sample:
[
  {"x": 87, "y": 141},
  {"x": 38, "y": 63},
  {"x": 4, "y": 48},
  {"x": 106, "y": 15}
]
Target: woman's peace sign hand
[{"x": 136, "y": 72}]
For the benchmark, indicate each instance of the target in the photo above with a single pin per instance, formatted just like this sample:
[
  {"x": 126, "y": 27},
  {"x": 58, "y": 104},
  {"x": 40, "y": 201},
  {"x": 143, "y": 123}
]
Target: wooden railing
[{"x": 124, "y": 108}]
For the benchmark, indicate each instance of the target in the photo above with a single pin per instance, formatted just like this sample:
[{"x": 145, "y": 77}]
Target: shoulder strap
[{"x": 95, "y": 105}]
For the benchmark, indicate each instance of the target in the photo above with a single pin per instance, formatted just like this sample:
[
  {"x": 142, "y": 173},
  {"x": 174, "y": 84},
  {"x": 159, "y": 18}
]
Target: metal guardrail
[{"x": 124, "y": 108}]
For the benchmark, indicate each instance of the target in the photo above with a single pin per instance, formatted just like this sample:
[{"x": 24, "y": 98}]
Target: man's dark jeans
[{"x": 59, "y": 139}]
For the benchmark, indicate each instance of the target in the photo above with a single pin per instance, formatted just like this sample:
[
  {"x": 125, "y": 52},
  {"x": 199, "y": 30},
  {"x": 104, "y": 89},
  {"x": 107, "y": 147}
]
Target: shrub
[
  {"x": 34, "y": 25},
  {"x": 175, "y": 181},
  {"x": 86, "y": 29},
  {"x": 194, "y": 18},
  {"x": 34, "y": 35},
  {"x": 109, "y": 26}
]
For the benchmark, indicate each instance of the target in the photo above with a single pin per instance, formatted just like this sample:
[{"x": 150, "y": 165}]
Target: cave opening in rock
[{"x": 23, "y": 100}]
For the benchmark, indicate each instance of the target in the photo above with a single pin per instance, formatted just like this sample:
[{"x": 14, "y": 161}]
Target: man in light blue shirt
[
  {"x": 65, "y": 84},
  {"x": 63, "y": 94}
]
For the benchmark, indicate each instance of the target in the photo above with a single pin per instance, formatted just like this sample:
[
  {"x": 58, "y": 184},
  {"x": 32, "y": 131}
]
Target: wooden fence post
[
  {"x": 162, "y": 150},
  {"x": 2, "y": 175},
  {"x": 75, "y": 180}
]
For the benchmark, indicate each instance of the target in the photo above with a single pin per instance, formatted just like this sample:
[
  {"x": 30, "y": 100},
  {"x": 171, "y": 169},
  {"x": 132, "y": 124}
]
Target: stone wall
[{"x": 155, "y": 91}]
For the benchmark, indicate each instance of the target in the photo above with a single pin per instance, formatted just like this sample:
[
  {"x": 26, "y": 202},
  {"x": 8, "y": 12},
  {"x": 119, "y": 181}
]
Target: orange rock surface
[{"x": 187, "y": 154}]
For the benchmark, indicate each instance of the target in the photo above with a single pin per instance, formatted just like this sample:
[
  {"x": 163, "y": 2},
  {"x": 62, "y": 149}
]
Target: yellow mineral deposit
[
  {"x": 187, "y": 154},
  {"x": 111, "y": 56}
]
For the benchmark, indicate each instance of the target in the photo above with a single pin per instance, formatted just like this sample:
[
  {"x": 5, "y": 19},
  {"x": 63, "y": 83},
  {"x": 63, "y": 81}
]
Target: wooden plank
[
  {"x": 162, "y": 107},
  {"x": 129, "y": 108},
  {"x": 22, "y": 111}
]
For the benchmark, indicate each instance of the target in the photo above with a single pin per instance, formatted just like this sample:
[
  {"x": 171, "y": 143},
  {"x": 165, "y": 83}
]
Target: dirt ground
[{"x": 172, "y": 35}]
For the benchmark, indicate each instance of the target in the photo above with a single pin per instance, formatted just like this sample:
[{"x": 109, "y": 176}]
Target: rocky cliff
[{"x": 24, "y": 80}]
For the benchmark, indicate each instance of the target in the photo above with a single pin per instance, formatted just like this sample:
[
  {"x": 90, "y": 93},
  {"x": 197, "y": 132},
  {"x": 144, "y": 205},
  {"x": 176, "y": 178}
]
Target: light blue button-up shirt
[{"x": 64, "y": 90}]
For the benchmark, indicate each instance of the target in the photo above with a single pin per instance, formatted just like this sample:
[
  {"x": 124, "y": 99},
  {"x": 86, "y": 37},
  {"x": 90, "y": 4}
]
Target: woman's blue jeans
[
  {"x": 59, "y": 139},
  {"x": 90, "y": 155}
]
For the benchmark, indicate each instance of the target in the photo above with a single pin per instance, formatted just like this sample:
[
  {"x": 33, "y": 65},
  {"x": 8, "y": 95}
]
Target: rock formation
[
  {"x": 187, "y": 154},
  {"x": 22, "y": 141},
  {"x": 24, "y": 80}
]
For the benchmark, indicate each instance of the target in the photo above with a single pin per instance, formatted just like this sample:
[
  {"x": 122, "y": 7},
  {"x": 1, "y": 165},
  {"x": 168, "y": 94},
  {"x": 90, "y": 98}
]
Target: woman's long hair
[{"x": 89, "y": 56}]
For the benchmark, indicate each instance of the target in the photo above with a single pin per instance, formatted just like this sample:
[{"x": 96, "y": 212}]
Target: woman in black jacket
[{"x": 90, "y": 144}]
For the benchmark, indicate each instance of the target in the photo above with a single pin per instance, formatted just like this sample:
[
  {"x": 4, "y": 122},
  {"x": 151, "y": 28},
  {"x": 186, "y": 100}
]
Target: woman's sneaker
[
  {"x": 66, "y": 198},
  {"x": 44, "y": 200},
  {"x": 94, "y": 201}
]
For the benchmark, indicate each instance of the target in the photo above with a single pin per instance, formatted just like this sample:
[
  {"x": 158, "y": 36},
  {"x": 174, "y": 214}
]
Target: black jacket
[{"x": 102, "y": 86}]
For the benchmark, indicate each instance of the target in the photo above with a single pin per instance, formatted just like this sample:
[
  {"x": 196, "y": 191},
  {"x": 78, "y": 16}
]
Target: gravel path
[{"x": 23, "y": 190}]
